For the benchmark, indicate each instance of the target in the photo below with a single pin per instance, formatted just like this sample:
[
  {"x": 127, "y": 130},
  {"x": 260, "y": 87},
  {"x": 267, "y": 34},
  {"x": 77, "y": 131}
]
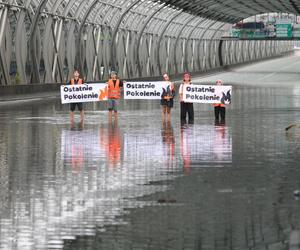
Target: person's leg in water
[
  {"x": 116, "y": 115},
  {"x": 71, "y": 120},
  {"x": 81, "y": 125},
  {"x": 116, "y": 122},
  {"x": 115, "y": 108},
  {"x": 110, "y": 109},
  {"x": 191, "y": 113},
  {"x": 168, "y": 111},
  {"x": 169, "y": 107},
  {"x": 223, "y": 113},
  {"x": 110, "y": 115},
  {"x": 217, "y": 113},
  {"x": 81, "y": 110},
  {"x": 72, "y": 109},
  {"x": 164, "y": 112},
  {"x": 82, "y": 119},
  {"x": 183, "y": 112},
  {"x": 72, "y": 116}
]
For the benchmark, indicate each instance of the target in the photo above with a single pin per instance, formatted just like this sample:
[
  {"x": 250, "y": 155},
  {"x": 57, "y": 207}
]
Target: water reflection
[
  {"x": 111, "y": 139},
  {"x": 168, "y": 140},
  {"x": 203, "y": 145},
  {"x": 78, "y": 146},
  {"x": 296, "y": 96},
  {"x": 74, "y": 147},
  {"x": 88, "y": 180},
  {"x": 97, "y": 186}
]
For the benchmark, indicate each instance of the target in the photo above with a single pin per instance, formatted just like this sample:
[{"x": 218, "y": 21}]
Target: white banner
[
  {"x": 83, "y": 93},
  {"x": 144, "y": 90},
  {"x": 207, "y": 94}
]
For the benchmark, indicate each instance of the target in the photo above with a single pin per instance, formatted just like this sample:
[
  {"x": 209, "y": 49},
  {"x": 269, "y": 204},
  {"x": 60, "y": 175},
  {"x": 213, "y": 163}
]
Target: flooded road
[{"x": 140, "y": 183}]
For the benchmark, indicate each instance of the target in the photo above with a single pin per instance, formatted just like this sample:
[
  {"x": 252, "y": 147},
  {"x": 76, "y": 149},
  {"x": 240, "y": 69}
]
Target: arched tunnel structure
[{"x": 42, "y": 41}]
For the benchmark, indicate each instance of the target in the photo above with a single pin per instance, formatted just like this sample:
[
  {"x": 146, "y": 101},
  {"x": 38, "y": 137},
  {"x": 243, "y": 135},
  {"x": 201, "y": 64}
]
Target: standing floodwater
[{"x": 140, "y": 183}]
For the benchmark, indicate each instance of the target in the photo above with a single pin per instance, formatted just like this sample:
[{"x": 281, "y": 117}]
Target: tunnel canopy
[
  {"x": 43, "y": 41},
  {"x": 232, "y": 11}
]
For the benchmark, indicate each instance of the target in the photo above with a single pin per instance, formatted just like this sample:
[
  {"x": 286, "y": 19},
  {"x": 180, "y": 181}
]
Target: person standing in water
[
  {"x": 186, "y": 107},
  {"x": 114, "y": 86},
  {"x": 167, "y": 98},
  {"x": 76, "y": 80},
  {"x": 220, "y": 110}
]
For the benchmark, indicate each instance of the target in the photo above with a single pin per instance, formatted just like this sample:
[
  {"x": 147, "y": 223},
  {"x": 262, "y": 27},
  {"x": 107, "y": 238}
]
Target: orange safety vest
[
  {"x": 80, "y": 81},
  {"x": 114, "y": 91},
  {"x": 219, "y": 105}
]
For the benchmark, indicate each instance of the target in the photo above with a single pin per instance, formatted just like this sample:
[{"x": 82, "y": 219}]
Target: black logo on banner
[
  {"x": 226, "y": 99},
  {"x": 168, "y": 91}
]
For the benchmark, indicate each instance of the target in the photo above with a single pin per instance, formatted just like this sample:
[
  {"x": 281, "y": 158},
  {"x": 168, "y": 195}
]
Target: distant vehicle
[
  {"x": 250, "y": 30},
  {"x": 250, "y": 26}
]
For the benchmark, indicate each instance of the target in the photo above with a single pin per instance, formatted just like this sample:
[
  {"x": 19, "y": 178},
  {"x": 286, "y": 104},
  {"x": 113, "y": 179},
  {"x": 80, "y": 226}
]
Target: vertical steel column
[
  {"x": 231, "y": 52},
  {"x": 253, "y": 54},
  {"x": 244, "y": 44},
  {"x": 79, "y": 57},
  {"x": 21, "y": 46},
  {"x": 177, "y": 39},
  {"x": 139, "y": 40},
  {"x": 234, "y": 52},
  {"x": 126, "y": 46},
  {"x": 56, "y": 33},
  {"x": 186, "y": 45},
  {"x": 210, "y": 42},
  {"x": 71, "y": 39},
  {"x": 160, "y": 38},
  {"x": 97, "y": 33},
  {"x": 114, "y": 35},
  {"x": 52, "y": 41},
  {"x": 200, "y": 39},
  {"x": 52, "y": 58},
  {"x": 220, "y": 54},
  {"x": 184, "y": 52},
  {"x": 149, "y": 50},
  {"x": 4, "y": 66},
  {"x": 193, "y": 55},
  {"x": 35, "y": 64},
  {"x": 168, "y": 55}
]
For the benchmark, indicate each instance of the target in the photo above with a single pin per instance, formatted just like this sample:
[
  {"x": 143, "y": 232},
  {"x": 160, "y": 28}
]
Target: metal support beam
[
  {"x": 71, "y": 38},
  {"x": 21, "y": 46},
  {"x": 115, "y": 32},
  {"x": 3, "y": 63},
  {"x": 212, "y": 38},
  {"x": 160, "y": 38},
  {"x": 124, "y": 65},
  {"x": 96, "y": 42},
  {"x": 56, "y": 33},
  {"x": 79, "y": 57},
  {"x": 177, "y": 39},
  {"x": 149, "y": 51},
  {"x": 139, "y": 39},
  {"x": 188, "y": 39},
  {"x": 220, "y": 55},
  {"x": 200, "y": 42},
  {"x": 35, "y": 77}
]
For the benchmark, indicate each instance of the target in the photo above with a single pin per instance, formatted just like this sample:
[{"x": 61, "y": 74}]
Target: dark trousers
[
  {"x": 186, "y": 108},
  {"x": 220, "y": 111},
  {"x": 73, "y": 106}
]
